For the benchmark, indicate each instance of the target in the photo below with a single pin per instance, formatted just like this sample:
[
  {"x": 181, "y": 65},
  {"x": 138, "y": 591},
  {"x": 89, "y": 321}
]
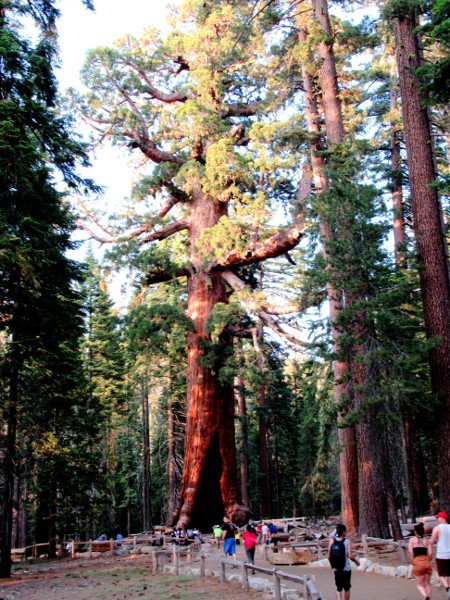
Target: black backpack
[{"x": 337, "y": 554}]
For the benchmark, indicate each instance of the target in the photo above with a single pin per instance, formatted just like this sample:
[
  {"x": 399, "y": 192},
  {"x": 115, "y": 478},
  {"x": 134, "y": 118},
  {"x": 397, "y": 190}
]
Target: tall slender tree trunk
[
  {"x": 416, "y": 476},
  {"x": 429, "y": 236},
  {"x": 243, "y": 443},
  {"x": 8, "y": 467},
  {"x": 146, "y": 496},
  {"x": 348, "y": 464},
  {"x": 209, "y": 482},
  {"x": 263, "y": 443},
  {"x": 371, "y": 501},
  {"x": 171, "y": 459},
  {"x": 397, "y": 185}
]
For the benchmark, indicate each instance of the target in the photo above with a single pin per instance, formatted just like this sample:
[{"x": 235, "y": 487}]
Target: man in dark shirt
[{"x": 228, "y": 537}]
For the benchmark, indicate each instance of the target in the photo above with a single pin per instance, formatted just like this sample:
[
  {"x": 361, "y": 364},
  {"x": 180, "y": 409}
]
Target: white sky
[{"x": 79, "y": 30}]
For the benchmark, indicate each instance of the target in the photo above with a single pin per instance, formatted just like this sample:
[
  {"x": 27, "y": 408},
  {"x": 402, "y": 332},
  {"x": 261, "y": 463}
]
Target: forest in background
[{"x": 286, "y": 350}]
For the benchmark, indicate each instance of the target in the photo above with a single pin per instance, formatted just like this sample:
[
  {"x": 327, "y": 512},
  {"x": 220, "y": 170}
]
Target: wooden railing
[{"x": 161, "y": 557}]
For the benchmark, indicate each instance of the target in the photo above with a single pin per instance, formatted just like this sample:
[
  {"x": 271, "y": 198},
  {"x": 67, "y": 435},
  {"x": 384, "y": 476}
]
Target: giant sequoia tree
[{"x": 190, "y": 105}]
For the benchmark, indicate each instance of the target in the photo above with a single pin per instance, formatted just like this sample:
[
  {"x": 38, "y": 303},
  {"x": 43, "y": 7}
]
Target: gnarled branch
[{"x": 271, "y": 247}]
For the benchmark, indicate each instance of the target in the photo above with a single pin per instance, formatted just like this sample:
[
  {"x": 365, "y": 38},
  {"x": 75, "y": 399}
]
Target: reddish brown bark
[
  {"x": 209, "y": 482},
  {"x": 348, "y": 465},
  {"x": 429, "y": 237}
]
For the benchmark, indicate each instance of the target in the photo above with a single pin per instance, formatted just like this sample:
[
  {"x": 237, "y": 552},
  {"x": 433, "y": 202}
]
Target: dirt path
[{"x": 129, "y": 578}]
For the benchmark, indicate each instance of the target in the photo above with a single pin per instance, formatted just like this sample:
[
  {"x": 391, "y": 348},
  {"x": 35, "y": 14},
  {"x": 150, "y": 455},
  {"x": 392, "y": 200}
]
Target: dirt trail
[{"x": 128, "y": 578}]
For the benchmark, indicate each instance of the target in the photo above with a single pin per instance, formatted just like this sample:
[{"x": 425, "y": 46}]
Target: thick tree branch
[
  {"x": 162, "y": 275},
  {"x": 270, "y": 322},
  {"x": 161, "y": 96},
  {"x": 240, "y": 110},
  {"x": 271, "y": 247},
  {"x": 152, "y": 152}
]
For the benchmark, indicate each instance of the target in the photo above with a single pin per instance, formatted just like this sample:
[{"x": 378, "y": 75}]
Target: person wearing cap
[{"x": 441, "y": 535}]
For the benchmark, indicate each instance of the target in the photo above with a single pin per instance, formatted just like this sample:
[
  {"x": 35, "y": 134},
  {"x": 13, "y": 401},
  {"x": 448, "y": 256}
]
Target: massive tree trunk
[
  {"x": 348, "y": 463},
  {"x": 209, "y": 483},
  {"x": 429, "y": 237}
]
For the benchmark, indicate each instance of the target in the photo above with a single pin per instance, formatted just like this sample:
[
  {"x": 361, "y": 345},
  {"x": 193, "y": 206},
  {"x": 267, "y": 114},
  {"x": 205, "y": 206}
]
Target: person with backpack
[{"x": 340, "y": 554}]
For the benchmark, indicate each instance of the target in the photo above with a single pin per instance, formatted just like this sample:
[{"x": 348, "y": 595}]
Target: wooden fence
[{"x": 161, "y": 557}]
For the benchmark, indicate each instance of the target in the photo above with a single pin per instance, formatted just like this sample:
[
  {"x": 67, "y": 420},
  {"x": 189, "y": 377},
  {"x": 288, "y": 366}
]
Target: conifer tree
[
  {"x": 427, "y": 221},
  {"x": 35, "y": 228},
  {"x": 189, "y": 104}
]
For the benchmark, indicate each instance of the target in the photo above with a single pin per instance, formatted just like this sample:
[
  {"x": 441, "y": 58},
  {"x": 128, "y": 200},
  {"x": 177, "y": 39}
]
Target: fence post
[
  {"x": 277, "y": 585},
  {"x": 266, "y": 550},
  {"x": 402, "y": 553},
  {"x": 176, "y": 561},
  {"x": 72, "y": 549},
  {"x": 90, "y": 548},
  {"x": 307, "y": 594},
  {"x": 245, "y": 585},
  {"x": 111, "y": 546},
  {"x": 154, "y": 563},
  {"x": 202, "y": 565},
  {"x": 222, "y": 572}
]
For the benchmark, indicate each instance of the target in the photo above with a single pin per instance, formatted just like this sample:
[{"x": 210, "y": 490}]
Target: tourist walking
[
  {"x": 420, "y": 551},
  {"x": 441, "y": 535},
  {"x": 228, "y": 537},
  {"x": 250, "y": 539},
  {"x": 340, "y": 554}
]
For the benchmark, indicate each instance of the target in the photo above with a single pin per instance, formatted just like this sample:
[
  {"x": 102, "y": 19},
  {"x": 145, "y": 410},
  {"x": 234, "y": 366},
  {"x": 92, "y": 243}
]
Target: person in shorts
[
  {"x": 229, "y": 537},
  {"x": 420, "y": 551},
  {"x": 441, "y": 536},
  {"x": 342, "y": 577}
]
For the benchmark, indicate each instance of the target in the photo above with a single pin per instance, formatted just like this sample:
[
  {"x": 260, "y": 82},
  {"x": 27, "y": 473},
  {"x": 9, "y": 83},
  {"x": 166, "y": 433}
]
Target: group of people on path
[{"x": 420, "y": 550}]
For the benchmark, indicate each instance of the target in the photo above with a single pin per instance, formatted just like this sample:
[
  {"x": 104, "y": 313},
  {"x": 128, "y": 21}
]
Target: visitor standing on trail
[
  {"x": 228, "y": 537},
  {"x": 265, "y": 533},
  {"x": 340, "y": 554},
  {"x": 250, "y": 539},
  {"x": 217, "y": 532},
  {"x": 420, "y": 551},
  {"x": 441, "y": 535}
]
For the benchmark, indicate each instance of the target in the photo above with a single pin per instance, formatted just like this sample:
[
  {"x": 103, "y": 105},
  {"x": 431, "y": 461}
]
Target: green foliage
[{"x": 434, "y": 75}]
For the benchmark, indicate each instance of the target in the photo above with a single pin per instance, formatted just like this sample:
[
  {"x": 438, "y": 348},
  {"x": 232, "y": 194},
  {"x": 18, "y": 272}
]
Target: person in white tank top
[{"x": 441, "y": 535}]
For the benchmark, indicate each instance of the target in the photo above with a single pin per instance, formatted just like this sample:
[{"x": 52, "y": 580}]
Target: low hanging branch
[{"x": 237, "y": 284}]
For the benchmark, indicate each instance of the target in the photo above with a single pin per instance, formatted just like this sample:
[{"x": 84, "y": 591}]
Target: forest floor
[
  {"x": 118, "y": 578},
  {"x": 130, "y": 578}
]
